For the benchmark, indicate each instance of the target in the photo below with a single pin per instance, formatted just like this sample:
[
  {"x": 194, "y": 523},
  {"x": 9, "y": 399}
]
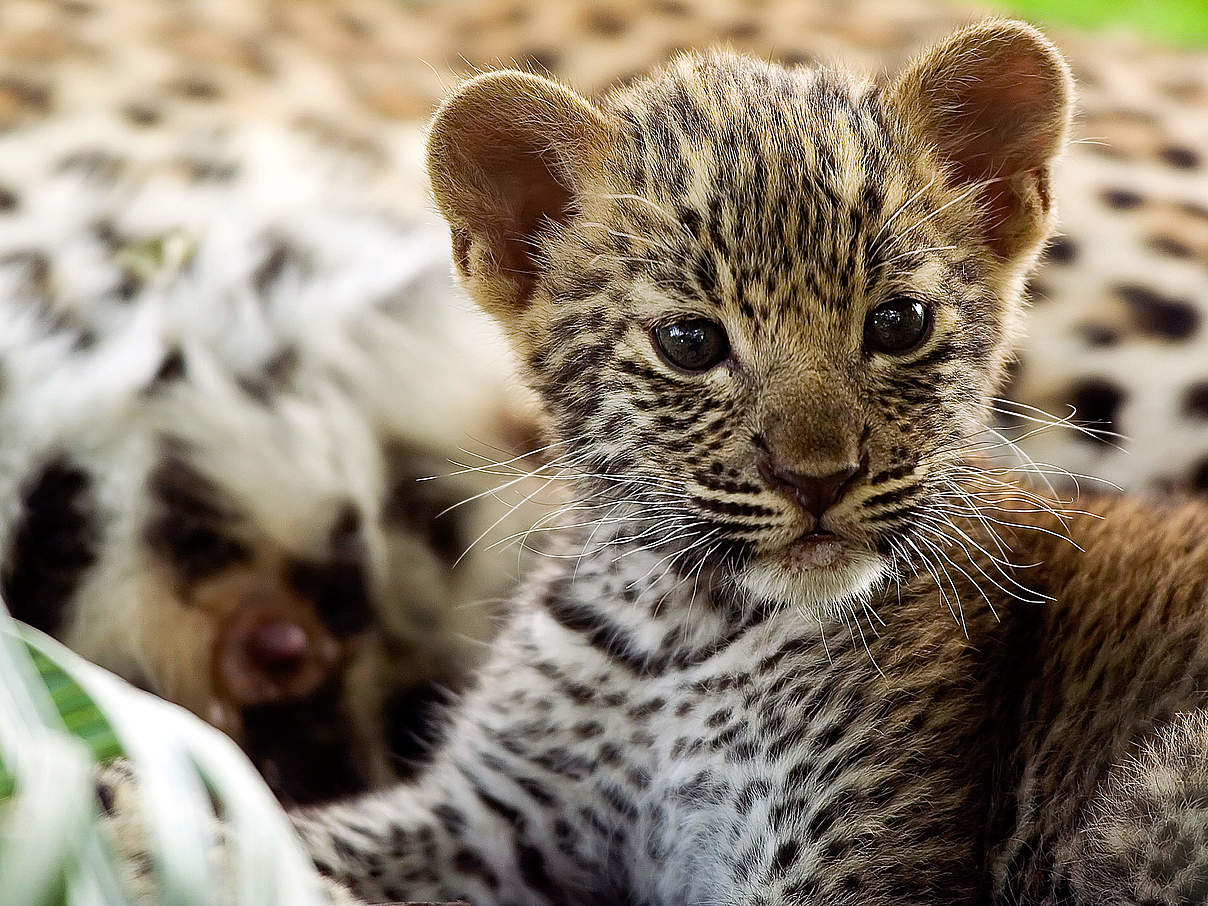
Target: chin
[{"x": 815, "y": 591}]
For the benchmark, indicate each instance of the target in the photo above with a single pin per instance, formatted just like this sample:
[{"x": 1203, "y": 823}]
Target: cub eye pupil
[
  {"x": 898, "y": 325},
  {"x": 692, "y": 345}
]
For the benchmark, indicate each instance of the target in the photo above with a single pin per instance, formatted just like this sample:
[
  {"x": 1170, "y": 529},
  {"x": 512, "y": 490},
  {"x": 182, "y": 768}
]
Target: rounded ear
[
  {"x": 995, "y": 101},
  {"x": 507, "y": 155}
]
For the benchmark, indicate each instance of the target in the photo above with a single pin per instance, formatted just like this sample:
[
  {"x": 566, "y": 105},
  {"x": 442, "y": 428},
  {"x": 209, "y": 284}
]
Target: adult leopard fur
[
  {"x": 766, "y": 308},
  {"x": 218, "y": 413}
]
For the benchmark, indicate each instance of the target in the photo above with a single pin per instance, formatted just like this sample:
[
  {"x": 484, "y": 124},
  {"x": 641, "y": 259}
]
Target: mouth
[
  {"x": 815, "y": 572},
  {"x": 815, "y": 550}
]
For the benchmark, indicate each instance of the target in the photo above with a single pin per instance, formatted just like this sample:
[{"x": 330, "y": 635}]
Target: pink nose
[
  {"x": 278, "y": 646},
  {"x": 265, "y": 655}
]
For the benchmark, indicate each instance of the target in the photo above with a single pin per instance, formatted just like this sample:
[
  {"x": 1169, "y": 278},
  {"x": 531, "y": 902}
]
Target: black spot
[
  {"x": 468, "y": 862},
  {"x": 1194, "y": 209},
  {"x": 172, "y": 368},
  {"x": 414, "y": 722},
  {"x": 178, "y": 486},
  {"x": 797, "y": 58},
  {"x": 207, "y": 169},
  {"x": 535, "y": 875},
  {"x": 104, "y": 797},
  {"x": 606, "y": 22},
  {"x": 106, "y": 232},
  {"x": 1199, "y": 475},
  {"x": 1037, "y": 290},
  {"x": 128, "y": 285},
  {"x": 1121, "y": 199},
  {"x": 1099, "y": 335},
  {"x": 588, "y": 729},
  {"x": 269, "y": 270},
  {"x": 280, "y": 368},
  {"x": 1173, "y": 319},
  {"x": 1180, "y": 156},
  {"x": 338, "y": 587},
  {"x": 274, "y": 376},
  {"x": 142, "y": 114},
  {"x": 255, "y": 387},
  {"x": 1195, "y": 400},
  {"x": 191, "y": 523},
  {"x": 35, "y": 267},
  {"x": 1170, "y": 245},
  {"x": 303, "y": 748},
  {"x": 29, "y": 93},
  {"x": 196, "y": 88},
  {"x": 742, "y": 31},
  {"x": 93, "y": 163},
  {"x": 786, "y": 855},
  {"x": 9, "y": 200},
  {"x": 423, "y": 507},
  {"x": 546, "y": 58},
  {"x": 513, "y": 817},
  {"x": 55, "y": 540},
  {"x": 1061, "y": 250},
  {"x": 1097, "y": 403}
]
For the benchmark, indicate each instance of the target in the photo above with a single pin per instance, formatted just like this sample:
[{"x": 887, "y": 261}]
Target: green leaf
[{"x": 80, "y": 715}]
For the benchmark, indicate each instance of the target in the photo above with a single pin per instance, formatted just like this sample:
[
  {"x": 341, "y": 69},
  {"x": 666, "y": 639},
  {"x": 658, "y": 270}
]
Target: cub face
[{"x": 766, "y": 307}]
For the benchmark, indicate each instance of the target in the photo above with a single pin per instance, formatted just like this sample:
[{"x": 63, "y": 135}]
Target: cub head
[{"x": 766, "y": 307}]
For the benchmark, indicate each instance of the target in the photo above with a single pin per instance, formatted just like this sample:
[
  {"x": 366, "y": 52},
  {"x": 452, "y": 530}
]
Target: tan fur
[
  {"x": 505, "y": 155},
  {"x": 995, "y": 99},
  {"x": 689, "y": 706}
]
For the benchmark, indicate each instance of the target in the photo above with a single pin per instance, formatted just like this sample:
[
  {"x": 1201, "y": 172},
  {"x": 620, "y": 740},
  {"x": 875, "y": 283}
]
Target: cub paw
[
  {"x": 124, "y": 829},
  {"x": 1147, "y": 837}
]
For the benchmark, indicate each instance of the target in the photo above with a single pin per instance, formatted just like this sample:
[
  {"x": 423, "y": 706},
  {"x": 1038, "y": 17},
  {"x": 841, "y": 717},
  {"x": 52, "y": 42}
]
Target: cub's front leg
[
  {"x": 501, "y": 816},
  {"x": 123, "y": 826},
  {"x": 1146, "y": 836}
]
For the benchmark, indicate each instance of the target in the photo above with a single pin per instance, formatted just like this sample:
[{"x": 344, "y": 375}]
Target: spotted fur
[
  {"x": 684, "y": 712},
  {"x": 201, "y": 464},
  {"x": 1116, "y": 329}
]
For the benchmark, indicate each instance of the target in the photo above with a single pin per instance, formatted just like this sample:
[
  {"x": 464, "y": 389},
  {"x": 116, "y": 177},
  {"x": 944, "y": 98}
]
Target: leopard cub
[{"x": 767, "y": 308}]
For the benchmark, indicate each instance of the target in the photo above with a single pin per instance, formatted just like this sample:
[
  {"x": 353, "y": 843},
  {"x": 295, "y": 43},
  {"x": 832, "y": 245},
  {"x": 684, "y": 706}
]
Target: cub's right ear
[{"x": 507, "y": 156}]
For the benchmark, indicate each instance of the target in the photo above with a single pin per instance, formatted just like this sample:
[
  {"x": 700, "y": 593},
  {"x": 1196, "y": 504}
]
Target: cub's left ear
[
  {"x": 995, "y": 101},
  {"x": 509, "y": 156}
]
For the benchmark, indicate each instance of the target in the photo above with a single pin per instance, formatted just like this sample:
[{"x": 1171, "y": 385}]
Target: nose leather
[
  {"x": 271, "y": 647},
  {"x": 813, "y": 493}
]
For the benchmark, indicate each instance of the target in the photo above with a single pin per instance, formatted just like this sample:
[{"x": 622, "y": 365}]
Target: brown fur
[{"x": 825, "y": 732}]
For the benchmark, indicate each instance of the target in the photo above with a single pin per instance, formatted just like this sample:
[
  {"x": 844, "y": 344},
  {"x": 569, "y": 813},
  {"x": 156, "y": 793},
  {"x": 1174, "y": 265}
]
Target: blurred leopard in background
[
  {"x": 219, "y": 414},
  {"x": 1123, "y": 344},
  {"x": 129, "y": 128}
]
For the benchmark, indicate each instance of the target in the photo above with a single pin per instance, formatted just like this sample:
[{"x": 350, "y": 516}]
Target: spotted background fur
[
  {"x": 1120, "y": 301},
  {"x": 355, "y": 79},
  {"x": 217, "y": 409}
]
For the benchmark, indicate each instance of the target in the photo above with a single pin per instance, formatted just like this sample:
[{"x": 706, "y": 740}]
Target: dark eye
[
  {"x": 693, "y": 345},
  {"x": 897, "y": 326}
]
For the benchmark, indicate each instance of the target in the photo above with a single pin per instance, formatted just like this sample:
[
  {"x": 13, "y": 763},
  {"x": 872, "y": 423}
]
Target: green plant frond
[
  {"x": 78, "y": 712},
  {"x": 59, "y": 717}
]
